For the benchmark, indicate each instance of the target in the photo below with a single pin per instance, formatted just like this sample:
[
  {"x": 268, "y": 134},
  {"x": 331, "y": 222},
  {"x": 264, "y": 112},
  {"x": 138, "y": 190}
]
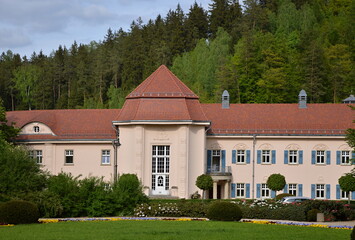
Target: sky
[{"x": 28, "y": 26}]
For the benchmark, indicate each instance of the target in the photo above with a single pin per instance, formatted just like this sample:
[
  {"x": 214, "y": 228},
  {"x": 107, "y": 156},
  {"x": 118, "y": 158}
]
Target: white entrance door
[
  {"x": 160, "y": 170},
  {"x": 160, "y": 185}
]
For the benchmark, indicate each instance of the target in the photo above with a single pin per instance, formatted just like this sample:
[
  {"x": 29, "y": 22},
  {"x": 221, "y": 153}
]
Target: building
[{"x": 168, "y": 138}]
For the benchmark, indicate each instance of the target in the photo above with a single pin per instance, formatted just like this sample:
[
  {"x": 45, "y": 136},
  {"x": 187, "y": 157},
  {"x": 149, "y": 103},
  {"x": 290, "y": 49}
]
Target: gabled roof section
[
  {"x": 162, "y": 84},
  {"x": 162, "y": 97}
]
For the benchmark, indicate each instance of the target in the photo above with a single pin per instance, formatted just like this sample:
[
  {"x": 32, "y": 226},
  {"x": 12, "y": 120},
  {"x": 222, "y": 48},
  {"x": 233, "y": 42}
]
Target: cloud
[{"x": 10, "y": 38}]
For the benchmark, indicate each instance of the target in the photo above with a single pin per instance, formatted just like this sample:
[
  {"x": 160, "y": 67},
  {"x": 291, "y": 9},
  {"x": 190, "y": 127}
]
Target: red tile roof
[
  {"x": 79, "y": 124},
  {"x": 316, "y": 119}
]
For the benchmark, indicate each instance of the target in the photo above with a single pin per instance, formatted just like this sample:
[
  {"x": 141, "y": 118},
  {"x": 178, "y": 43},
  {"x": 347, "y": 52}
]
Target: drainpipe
[
  {"x": 253, "y": 175},
  {"x": 115, "y": 143}
]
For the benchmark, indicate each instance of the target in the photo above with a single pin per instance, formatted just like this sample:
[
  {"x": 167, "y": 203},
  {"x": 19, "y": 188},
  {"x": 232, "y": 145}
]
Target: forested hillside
[{"x": 265, "y": 51}]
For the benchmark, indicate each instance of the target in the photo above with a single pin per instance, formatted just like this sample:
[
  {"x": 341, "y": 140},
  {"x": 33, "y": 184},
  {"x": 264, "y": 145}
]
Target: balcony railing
[{"x": 217, "y": 170}]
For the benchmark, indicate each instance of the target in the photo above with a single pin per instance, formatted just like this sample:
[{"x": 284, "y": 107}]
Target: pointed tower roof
[
  {"x": 162, "y": 83},
  {"x": 162, "y": 97}
]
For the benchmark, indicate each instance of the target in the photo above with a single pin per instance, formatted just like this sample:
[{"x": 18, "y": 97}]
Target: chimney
[
  {"x": 302, "y": 99},
  {"x": 225, "y": 100}
]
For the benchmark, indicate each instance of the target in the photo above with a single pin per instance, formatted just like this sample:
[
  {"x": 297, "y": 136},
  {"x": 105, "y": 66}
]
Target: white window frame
[
  {"x": 265, "y": 191},
  {"x": 266, "y": 156},
  {"x": 105, "y": 157},
  {"x": 160, "y": 164},
  {"x": 293, "y": 156},
  {"x": 292, "y": 189},
  {"x": 320, "y": 191},
  {"x": 344, "y": 195},
  {"x": 69, "y": 154},
  {"x": 216, "y": 154},
  {"x": 240, "y": 158},
  {"x": 345, "y": 158},
  {"x": 36, "y": 129},
  {"x": 37, "y": 154},
  {"x": 320, "y": 157},
  {"x": 240, "y": 190}
]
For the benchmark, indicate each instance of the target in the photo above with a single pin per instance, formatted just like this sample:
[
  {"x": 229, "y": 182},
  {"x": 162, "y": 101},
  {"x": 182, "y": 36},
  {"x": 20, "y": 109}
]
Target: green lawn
[{"x": 166, "y": 230}]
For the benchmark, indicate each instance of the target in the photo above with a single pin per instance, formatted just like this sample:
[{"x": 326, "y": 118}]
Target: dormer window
[{"x": 36, "y": 129}]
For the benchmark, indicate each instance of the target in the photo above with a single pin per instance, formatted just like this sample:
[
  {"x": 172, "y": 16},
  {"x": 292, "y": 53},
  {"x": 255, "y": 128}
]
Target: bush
[
  {"x": 282, "y": 195},
  {"x": 352, "y": 235},
  {"x": 224, "y": 211},
  {"x": 18, "y": 212},
  {"x": 312, "y": 215}
]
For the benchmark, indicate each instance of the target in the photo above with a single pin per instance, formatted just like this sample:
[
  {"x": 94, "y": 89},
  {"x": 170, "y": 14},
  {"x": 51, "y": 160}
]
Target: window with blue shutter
[
  {"x": 300, "y": 190},
  {"x": 273, "y": 194},
  {"x": 338, "y": 191},
  {"x": 233, "y": 190},
  {"x": 353, "y": 195},
  {"x": 258, "y": 190},
  {"x": 234, "y": 160},
  {"x": 313, "y": 157},
  {"x": 209, "y": 160},
  {"x": 338, "y": 157},
  {"x": 259, "y": 156},
  {"x": 313, "y": 191},
  {"x": 286, "y": 157},
  {"x": 248, "y": 156},
  {"x": 273, "y": 156},
  {"x": 328, "y": 157},
  {"x": 300, "y": 159},
  {"x": 247, "y": 186},
  {"x": 327, "y": 187},
  {"x": 353, "y": 157},
  {"x": 223, "y": 160},
  {"x": 286, "y": 188}
]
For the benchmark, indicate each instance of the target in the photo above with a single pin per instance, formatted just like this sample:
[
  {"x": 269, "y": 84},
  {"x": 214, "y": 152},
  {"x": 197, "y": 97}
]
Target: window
[
  {"x": 292, "y": 157},
  {"x": 69, "y": 156},
  {"x": 265, "y": 156},
  {"x": 160, "y": 167},
  {"x": 343, "y": 194},
  {"x": 320, "y": 157},
  {"x": 240, "y": 190},
  {"x": 37, "y": 154},
  {"x": 320, "y": 191},
  {"x": 36, "y": 129},
  {"x": 105, "y": 157},
  {"x": 216, "y": 160},
  {"x": 240, "y": 156},
  {"x": 265, "y": 191},
  {"x": 345, "y": 157},
  {"x": 292, "y": 189}
]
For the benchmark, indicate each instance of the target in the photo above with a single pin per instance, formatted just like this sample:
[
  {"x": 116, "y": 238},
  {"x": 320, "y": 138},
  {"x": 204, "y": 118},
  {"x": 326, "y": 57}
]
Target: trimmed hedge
[
  {"x": 18, "y": 212},
  {"x": 224, "y": 211}
]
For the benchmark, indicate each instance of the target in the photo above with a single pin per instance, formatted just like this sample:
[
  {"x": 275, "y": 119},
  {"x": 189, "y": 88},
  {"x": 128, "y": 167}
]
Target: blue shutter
[
  {"x": 259, "y": 156},
  {"x": 248, "y": 156},
  {"x": 327, "y": 187},
  {"x": 300, "y": 157},
  {"x": 300, "y": 190},
  {"x": 273, "y": 156},
  {"x": 338, "y": 159},
  {"x": 352, "y": 195},
  {"x": 233, "y": 190},
  {"x": 353, "y": 159},
  {"x": 223, "y": 160},
  {"x": 313, "y": 191},
  {"x": 328, "y": 157},
  {"x": 234, "y": 160},
  {"x": 286, "y": 157},
  {"x": 313, "y": 157},
  {"x": 338, "y": 191},
  {"x": 273, "y": 194},
  {"x": 209, "y": 160},
  {"x": 258, "y": 190},
  {"x": 286, "y": 188},
  {"x": 247, "y": 195}
]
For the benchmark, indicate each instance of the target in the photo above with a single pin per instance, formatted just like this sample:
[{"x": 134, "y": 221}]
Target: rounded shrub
[
  {"x": 312, "y": 215},
  {"x": 282, "y": 195},
  {"x": 224, "y": 211},
  {"x": 18, "y": 212}
]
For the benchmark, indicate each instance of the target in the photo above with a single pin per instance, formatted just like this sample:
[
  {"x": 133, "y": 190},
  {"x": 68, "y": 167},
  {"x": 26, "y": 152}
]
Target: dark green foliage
[
  {"x": 312, "y": 215},
  {"x": 7, "y": 131},
  {"x": 224, "y": 211},
  {"x": 333, "y": 210},
  {"x": 352, "y": 235},
  {"x": 49, "y": 203},
  {"x": 347, "y": 182},
  {"x": 282, "y": 195},
  {"x": 18, "y": 212},
  {"x": 204, "y": 182},
  {"x": 276, "y": 182}
]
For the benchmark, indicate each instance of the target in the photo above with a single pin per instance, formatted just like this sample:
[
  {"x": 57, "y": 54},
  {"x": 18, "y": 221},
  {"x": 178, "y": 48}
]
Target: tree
[
  {"x": 204, "y": 182},
  {"x": 7, "y": 132},
  {"x": 347, "y": 183},
  {"x": 276, "y": 182}
]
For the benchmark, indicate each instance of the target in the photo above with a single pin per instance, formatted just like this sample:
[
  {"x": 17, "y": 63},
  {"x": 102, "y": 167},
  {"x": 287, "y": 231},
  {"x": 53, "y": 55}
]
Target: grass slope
[{"x": 165, "y": 230}]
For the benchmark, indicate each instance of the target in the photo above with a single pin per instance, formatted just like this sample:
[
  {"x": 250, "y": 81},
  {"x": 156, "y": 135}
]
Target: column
[
  {"x": 226, "y": 189},
  {"x": 215, "y": 189}
]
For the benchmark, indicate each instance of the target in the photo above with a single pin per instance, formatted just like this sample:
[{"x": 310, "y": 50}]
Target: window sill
[
  {"x": 241, "y": 163},
  {"x": 105, "y": 164},
  {"x": 68, "y": 164}
]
